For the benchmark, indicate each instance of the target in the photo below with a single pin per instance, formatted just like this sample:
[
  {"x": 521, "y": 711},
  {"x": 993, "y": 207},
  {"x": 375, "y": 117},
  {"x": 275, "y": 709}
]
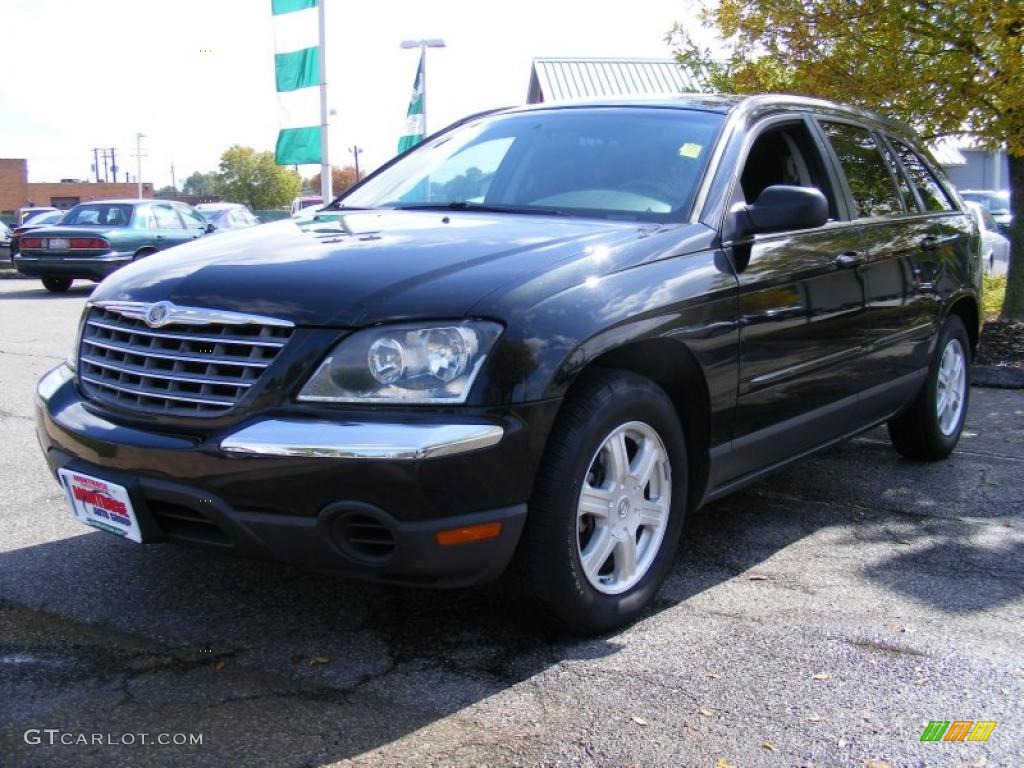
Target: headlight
[{"x": 412, "y": 363}]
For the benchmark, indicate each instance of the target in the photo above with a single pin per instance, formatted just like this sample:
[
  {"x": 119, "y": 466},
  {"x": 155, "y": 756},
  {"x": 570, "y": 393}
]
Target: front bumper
[
  {"x": 85, "y": 267},
  {"x": 366, "y": 497}
]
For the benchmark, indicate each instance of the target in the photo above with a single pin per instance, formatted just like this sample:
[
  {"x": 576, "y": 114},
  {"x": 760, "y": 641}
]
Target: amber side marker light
[{"x": 470, "y": 533}]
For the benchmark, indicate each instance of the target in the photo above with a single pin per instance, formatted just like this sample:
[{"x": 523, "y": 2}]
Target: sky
[{"x": 196, "y": 76}]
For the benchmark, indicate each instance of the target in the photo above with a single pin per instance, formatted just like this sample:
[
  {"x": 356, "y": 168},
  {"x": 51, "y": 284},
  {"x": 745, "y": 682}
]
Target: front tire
[
  {"x": 56, "y": 284},
  {"x": 607, "y": 509},
  {"x": 930, "y": 428}
]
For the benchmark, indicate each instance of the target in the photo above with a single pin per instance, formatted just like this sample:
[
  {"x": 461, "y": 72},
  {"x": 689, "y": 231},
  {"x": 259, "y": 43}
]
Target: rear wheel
[
  {"x": 56, "y": 284},
  {"x": 607, "y": 510},
  {"x": 930, "y": 429}
]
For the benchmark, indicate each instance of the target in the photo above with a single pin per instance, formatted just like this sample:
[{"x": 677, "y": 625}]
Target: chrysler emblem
[{"x": 157, "y": 314}]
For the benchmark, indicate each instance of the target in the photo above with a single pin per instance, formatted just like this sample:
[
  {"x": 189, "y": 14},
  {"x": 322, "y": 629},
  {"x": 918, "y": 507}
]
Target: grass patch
[{"x": 993, "y": 291}]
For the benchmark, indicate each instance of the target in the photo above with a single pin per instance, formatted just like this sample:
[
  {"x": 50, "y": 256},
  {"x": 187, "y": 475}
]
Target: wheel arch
[
  {"x": 674, "y": 368},
  {"x": 966, "y": 308}
]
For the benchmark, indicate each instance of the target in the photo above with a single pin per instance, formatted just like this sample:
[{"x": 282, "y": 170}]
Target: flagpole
[
  {"x": 325, "y": 163},
  {"x": 423, "y": 83}
]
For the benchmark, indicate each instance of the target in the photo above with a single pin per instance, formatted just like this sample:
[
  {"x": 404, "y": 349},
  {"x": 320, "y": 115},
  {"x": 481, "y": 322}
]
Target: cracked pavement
[{"x": 819, "y": 618}]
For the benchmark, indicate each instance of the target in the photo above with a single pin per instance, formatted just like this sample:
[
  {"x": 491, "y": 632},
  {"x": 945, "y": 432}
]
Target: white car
[{"x": 995, "y": 248}]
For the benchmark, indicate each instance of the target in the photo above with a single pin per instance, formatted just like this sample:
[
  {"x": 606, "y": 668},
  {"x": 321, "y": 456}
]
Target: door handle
[
  {"x": 849, "y": 260},
  {"x": 929, "y": 243},
  {"x": 159, "y": 237}
]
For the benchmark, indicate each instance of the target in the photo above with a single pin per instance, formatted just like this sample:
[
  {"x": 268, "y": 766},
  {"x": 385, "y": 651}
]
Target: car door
[
  {"x": 801, "y": 309},
  {"x": 897, "y": 241},
  {"x": 170, "y": 229},
  {"x": 194, "y": 221}
]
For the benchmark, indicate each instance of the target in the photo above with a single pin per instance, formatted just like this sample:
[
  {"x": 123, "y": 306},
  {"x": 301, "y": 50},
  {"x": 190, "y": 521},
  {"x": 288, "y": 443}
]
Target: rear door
[{"x": 895, "y": 237}]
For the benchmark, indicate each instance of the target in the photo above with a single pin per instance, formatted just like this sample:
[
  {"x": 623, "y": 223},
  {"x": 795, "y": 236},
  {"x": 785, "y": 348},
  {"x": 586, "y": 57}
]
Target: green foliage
[
  {"x": 251, "y": 177},
  {"x": 341, "y": 179},
  {"x": 200, "y": 184},
  {"x": 943, "y": 66},
  {"x": 166, "y": 192},
  {"x": 993, "y": 291}
]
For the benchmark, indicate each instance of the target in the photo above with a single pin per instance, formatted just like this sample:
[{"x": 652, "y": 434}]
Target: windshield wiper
[{"x": 461, "y": 205}]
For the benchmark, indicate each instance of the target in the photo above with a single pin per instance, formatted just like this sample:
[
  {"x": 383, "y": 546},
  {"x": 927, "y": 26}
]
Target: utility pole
[
  {"x": 96, "y": 163},
  {"x": 174, "y": 183},
  {"x": 113, "y": 165},
  {"x": 325, "y": 163},
  {"x": 355, "y": 154},
  {"x": 138, "y": 155}
]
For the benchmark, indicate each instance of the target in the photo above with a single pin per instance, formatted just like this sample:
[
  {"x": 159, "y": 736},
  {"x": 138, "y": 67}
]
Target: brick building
[{"x": 17, "y": 191}]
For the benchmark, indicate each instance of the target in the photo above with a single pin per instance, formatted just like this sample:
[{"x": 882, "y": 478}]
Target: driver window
[{"x": 783, "y": 154}]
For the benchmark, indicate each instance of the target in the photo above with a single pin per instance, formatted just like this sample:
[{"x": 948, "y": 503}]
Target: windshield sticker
[{"x": 691, "y": 150}]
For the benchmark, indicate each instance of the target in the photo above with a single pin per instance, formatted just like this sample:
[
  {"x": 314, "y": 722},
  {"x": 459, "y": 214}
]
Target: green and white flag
[
  {"x": 415, "y": 127},
  {"x": 297, "y": 70}
]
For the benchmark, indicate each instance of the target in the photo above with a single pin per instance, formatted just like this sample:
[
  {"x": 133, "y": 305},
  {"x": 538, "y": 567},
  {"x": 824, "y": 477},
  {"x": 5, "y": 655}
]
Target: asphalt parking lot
[{"x": 820, "y": 618}]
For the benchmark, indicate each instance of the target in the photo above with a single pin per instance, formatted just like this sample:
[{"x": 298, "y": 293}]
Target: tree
[
  {"x": 251, "y": 177},
  {"x": 200, "y": 184},
  {"x": 947, "y": 67},
  {"x": 341, "y": 179},
  {"x": 167, "y": 192}
]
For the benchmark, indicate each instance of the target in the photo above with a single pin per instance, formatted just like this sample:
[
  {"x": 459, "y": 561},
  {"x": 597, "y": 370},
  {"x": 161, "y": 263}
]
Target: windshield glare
[{"x": 624, "y": 163}]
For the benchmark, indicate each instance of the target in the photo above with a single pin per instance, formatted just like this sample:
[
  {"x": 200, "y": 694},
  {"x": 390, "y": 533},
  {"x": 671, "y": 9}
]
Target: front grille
[{"x": 177, "y": 369}]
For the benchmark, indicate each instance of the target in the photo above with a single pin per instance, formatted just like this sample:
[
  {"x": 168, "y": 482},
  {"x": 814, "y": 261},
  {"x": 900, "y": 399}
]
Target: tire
[
  {"x": 930, "y": 428},
  {"x": 57, "y": 284},
  {"x": 143, "y": 254},
  {"x": 559, "y": 535}
]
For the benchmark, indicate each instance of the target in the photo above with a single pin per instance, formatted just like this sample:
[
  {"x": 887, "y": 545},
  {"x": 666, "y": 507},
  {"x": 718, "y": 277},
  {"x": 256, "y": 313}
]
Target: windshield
[
  {"x": 624, "y": 163},
  {"x": 103, "y": 214},
  {"x": 996, "y": 202},
  {"x": 212, "y": 213}
]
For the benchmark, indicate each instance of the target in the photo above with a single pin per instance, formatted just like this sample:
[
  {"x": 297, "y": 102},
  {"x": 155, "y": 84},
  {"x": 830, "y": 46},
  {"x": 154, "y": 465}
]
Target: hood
[{"x": 362, "y": 267}]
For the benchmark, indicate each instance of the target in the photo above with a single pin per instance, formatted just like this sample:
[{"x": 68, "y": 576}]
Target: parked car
[
  {"x": 24, "y": 214},
  {"x": 307, "y": 201},
  {"x": 95, "y": 239},
  {"x": 5, "y": 236},
  {"x": 538, "y": 339},
  {"x": 996, "y": 202},
  {"x": 995, "y": 247},
  {"x": 44, "y": 219},
  {"x": 227, "y": 215}
]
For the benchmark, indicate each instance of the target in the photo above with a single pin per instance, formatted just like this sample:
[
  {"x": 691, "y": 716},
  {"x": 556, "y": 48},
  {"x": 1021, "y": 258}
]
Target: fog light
[{"x": 470, "y": 533}]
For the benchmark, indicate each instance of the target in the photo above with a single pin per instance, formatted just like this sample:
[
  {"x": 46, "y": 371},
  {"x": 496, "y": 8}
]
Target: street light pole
[
  {"x": 138, "y": 157},
  {"x": 355, "y": 153}
]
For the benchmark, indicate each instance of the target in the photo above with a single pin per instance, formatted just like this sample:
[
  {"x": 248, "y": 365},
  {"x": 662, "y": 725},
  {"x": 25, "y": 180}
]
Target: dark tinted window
[
  {"x": 906, "y": 192},
  {"x": 870, "y": 180},
  {"x": 928, "y": 187},
  {"x": 103, "y": 214}
]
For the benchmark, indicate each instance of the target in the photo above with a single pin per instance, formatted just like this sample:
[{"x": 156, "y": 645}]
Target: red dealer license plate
[{"x": 101, "y": 504}]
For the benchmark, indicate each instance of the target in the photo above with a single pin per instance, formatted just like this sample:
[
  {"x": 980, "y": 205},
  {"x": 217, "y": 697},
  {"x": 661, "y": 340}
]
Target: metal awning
[{"x": 569, "y": 79}]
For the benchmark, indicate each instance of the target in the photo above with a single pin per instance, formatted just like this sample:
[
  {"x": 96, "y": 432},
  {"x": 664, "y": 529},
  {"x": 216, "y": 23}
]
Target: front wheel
[
  {"x": 56, "y": 284},
  {"x": 930, "y": 428},
  {"x": 608, "y": 506}
]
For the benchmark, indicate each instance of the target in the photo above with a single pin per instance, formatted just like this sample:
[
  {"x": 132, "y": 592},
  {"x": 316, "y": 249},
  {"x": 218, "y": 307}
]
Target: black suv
[{"x": 537, "y": 340}]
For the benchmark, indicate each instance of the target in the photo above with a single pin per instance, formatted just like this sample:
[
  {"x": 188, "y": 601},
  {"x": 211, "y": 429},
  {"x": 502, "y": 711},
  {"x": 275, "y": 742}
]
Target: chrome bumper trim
[{"x": 341, "y": 440}]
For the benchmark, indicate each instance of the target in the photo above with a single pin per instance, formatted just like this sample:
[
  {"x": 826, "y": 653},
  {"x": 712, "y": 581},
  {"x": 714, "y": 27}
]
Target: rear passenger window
[
  {"x": 928, "y": 187},
  {"x": 871, "y": 182}
]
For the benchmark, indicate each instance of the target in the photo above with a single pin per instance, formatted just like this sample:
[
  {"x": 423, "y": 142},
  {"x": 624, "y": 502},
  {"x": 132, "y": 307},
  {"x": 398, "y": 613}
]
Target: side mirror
[
  {"x": 778, "y": 208},
  {"x": 210, "y": 228}
]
